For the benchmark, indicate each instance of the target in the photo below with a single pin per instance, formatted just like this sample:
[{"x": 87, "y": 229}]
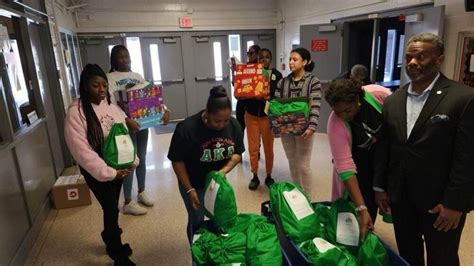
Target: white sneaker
[
  {"x": 134, "y": 209},
  {"x": 144, "y": 199}
]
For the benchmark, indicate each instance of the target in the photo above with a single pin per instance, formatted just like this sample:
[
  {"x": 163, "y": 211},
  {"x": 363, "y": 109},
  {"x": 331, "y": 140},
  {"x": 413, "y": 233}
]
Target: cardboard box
[
  {"x": 251, "y": 81},
  {"x": 71, "y": 191},
  {"x": 143, "y": 103}
]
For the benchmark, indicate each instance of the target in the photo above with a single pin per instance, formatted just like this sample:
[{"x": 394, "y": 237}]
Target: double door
[{"x": 187, "y": 64}]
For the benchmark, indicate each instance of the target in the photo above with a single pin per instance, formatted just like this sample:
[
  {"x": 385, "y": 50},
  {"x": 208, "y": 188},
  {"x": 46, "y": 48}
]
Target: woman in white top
[{"x": 121, "y": 78}]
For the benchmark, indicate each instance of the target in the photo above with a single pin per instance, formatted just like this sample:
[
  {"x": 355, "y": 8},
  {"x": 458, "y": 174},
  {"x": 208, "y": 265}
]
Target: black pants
[
  {"x": 240, "y": 113},
  {"x": 108, "y": 194},
  {"x": 413, "y": 227}
]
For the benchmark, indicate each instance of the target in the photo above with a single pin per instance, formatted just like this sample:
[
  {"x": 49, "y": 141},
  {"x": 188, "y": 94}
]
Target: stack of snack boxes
[{"x": 143, "y": 103}]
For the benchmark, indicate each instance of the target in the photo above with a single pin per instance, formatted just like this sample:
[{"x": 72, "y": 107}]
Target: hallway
[{"x": 72, "y": 236}]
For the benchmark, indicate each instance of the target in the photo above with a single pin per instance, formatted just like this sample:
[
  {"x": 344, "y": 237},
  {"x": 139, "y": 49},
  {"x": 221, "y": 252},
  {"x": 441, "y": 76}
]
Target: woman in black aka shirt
[{"x": 209, "y": 140}]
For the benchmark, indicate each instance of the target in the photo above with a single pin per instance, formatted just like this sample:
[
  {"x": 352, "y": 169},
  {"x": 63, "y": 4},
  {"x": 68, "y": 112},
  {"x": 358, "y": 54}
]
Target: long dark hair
[
  {"x": 217, "y": 100},
  {"x": 306, "y": 55},
  {"x": 113, "y": 56},
  {"x": 95, "y": 136}
]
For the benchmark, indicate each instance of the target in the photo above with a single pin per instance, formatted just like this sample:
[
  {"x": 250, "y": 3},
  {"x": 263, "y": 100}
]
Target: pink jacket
[
  {"x": 75, "y": 133},
  {"x": 340, "y": 141}
]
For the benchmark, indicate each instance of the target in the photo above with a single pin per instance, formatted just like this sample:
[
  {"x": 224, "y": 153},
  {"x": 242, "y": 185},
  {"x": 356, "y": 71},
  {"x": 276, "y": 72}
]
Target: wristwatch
[{"x": 361, "y": 208}]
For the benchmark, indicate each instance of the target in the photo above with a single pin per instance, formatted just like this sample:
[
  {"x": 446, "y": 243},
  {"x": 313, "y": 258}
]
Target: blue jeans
[
  {"x": 140, "y": 141},
  {"x": 195, "y": 217}
]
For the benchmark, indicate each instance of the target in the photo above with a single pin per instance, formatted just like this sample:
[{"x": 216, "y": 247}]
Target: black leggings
[
  {"x": 240, "y": 113},
  {"x": 108, "y": 194}
]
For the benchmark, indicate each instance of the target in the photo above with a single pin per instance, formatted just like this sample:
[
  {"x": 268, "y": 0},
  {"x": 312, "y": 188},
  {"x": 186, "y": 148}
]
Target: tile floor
[{"x": 72, "y": 236}]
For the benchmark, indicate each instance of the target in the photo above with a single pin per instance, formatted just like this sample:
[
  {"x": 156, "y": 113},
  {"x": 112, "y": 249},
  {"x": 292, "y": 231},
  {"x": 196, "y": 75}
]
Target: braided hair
[
  {"x": 113, "y": 56},
  {"x": 95, "y": 136}
]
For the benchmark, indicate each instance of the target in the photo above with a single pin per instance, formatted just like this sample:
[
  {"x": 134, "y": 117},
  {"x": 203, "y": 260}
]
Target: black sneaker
[
  {"x": 254, "y": 183},
  {"x": 269, "y": 180}
]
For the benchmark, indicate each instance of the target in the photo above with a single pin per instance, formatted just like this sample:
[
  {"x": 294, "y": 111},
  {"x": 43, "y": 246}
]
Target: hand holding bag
[{"x": 118, "y": 150}]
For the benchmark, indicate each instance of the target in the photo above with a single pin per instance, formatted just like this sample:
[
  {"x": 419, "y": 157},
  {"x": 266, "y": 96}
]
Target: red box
[{"x": 251, "y": 81}]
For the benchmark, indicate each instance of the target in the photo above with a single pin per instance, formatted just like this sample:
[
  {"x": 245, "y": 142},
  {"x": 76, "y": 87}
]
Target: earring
[{"x": 359, "y": 104}]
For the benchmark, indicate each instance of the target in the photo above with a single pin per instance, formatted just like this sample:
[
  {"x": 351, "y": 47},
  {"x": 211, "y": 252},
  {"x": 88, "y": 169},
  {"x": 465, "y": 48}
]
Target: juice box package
[
  {"x": 251, "y": 81},
  {"x": 143, "y": 103}
]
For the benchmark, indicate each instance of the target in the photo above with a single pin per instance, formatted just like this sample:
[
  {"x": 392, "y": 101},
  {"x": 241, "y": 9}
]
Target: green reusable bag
[
  {"x": 322, "y": 253},
  {"x": 242, "y": 223},
  {"x": 293, "y": 211},
  {"x": 263, "y": 246},
  {"x": 219, "y": 200},
  {"x": 228, "y": 249},
  {"x": 201, "y": 245},
  {"x": 279, "y": 107},
  {"x": 322, "y": 215},
  {"x": 343, "y": 228},
  {"x": 118, "y": 150},
  {"x": 372, "y": 252}
]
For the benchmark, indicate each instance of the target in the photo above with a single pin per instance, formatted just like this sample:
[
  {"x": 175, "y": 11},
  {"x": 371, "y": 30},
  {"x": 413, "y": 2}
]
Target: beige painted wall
[{"x": 160, "y": 15}]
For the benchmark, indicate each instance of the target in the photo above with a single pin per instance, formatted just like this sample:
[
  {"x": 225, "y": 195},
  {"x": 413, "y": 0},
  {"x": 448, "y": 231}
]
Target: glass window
[
  {"x": 21, "y": 110},
  {"x": 401, "y": 46},
  {"x": 390, "y": 55},
  {"x": 217, "y": 61},
  {"x": 234, "y": 51},
  {"x": 110, "y": 48},
  {"x": 69, "y": 70},
  {"x": 249, "y": 43},
  {"x": 234, "y": 47},
  {"x": 155, "y": 63},
  {"x": 134, "y": 48}
]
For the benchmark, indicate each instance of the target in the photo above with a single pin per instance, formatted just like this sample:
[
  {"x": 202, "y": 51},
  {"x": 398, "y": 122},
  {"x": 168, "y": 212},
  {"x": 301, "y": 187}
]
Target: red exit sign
[{"x": 185, "y": 22}]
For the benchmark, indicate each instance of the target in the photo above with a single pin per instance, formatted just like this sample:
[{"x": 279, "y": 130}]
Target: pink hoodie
[{"x": 75, "y": 133}]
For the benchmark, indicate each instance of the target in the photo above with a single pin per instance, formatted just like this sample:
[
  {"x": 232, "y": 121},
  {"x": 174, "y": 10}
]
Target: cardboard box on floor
[{"x": 71, "y": 191}]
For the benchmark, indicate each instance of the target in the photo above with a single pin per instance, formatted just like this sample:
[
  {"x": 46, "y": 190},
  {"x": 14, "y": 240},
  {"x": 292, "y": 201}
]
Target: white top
[{"x": 121, "y": 81}]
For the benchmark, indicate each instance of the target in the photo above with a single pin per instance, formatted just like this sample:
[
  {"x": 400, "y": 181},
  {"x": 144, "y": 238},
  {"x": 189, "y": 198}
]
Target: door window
[
  {"x": 217, "y": 61},
  {"x": 155, "y": 63},
  {"x": 390, "y": 54},
  {"x": 133, "y": 46}
]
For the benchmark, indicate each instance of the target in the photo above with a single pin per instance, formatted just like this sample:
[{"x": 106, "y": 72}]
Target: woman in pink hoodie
[{"x": 87, "y": 124}]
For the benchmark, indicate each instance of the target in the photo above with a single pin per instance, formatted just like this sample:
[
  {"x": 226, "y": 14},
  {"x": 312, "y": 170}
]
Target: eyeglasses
[{"x": 250, "y": 53}]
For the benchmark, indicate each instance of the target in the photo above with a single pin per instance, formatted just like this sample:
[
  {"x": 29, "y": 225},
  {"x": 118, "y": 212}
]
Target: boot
[
  {"x": 114, "y": 246},
  {"x": 123, "y": 261}
]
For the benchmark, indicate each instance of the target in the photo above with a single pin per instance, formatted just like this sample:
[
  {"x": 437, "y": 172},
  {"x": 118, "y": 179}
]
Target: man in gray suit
[{"x": 425, "y": 163}]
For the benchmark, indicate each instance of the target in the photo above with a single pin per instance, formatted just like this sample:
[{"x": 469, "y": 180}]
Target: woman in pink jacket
[
  {"x": 88, "y": 122},
  {"x": 353, "y": 128}
]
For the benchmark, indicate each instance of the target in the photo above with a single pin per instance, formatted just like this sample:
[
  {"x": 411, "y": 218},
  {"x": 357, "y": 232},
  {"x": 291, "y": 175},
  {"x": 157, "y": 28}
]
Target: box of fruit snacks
[
  {"x": 143, "y": 103},
  {"x": 251, "y": 81}
]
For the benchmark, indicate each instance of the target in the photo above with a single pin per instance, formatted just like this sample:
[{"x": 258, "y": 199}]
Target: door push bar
[
  {"x": 181, "y": 80},
  {"x": 210, "y": 78}
]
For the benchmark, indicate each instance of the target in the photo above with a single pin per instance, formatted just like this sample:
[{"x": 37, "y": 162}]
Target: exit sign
[{"x": 185, "y": 22}]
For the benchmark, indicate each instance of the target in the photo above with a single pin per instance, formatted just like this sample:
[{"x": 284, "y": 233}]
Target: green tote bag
[{"x": 118, "y": 150}]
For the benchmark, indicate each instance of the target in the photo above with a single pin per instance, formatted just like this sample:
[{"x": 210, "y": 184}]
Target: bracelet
[
  {"x": 191, "y": 189},
  {"x": 361, "y": 208}
]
